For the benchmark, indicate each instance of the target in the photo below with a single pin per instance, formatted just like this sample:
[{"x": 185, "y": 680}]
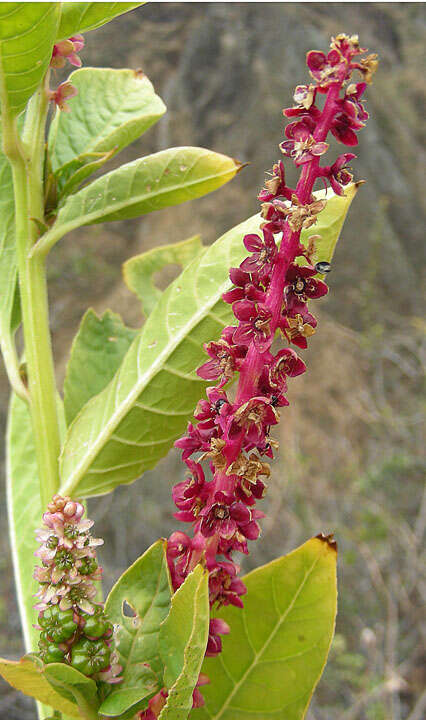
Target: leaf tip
[
  {"x": 240, "y": 165},
  {"x": 358, "y": 184},
  {"x": 328, "y": 540}
]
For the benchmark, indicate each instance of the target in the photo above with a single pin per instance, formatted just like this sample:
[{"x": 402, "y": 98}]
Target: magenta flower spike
[{"x": 225, "y": 451}]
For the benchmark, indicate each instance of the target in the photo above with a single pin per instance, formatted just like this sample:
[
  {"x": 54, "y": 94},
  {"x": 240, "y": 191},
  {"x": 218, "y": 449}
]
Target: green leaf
[
  {"x": 24, "y": 510},
  {"x": 133, "y": 423},
  {"x": 80, "y": 17},
  {"x": 139, "y": 270},
  {"x": 169, "y": 177},
  {"x": 74, "y": 687},
  {"x": 28, "y": 677},
  {"x": 183, "y": 642},
  {"x": 278, "y": 645},
  {"x": 145, "y": 588},
  {"x": 96, "y": 353},
  {"x": 27, "y": 35},
  {"x": 112, "y": 109},
  {"x": 330, "y": 222}
]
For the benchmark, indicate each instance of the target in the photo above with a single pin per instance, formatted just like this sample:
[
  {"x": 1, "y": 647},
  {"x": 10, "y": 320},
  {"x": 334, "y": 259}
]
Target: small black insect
[
  {"x": 219, "y": 404},
  {"x": 274, "y": 400},
  {"x": 323, "y": 267}
]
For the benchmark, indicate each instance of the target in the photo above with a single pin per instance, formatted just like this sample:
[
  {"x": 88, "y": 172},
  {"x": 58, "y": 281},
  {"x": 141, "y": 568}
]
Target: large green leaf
[
  {"x": 169, "y": 177},
  {"x": 80, "y": 17},
  {"x": 133, "y": 423},
  {"x": 183, "y": 641},
  {"x": 278, "y": 646},
  {"x": 139, "y": 271},
  {"x": 145, "y": 588},
  {"x": 27, "y": 34},
  {"x": 96, "y": 353},
  {"x": 27, "y": 675},
  {"x": 111, "y": 110}
]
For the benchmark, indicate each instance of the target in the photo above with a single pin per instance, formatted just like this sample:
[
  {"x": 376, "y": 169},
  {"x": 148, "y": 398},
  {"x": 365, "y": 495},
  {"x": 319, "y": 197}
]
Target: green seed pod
[
  {"x": 57, "y": 624},
  {"x": 90, "y": 656}
]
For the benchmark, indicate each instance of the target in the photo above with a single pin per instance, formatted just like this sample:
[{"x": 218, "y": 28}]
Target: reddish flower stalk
[{"x": 270, "y": 294}]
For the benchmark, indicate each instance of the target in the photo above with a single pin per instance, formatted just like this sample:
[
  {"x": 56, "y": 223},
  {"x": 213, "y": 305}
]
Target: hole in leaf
[
  {"x": 162, "y": 278},
  {"x": 127, "y": 610}
]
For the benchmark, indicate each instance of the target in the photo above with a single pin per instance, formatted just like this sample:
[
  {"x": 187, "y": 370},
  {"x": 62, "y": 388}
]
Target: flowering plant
[{"x": 156, "y": 647}]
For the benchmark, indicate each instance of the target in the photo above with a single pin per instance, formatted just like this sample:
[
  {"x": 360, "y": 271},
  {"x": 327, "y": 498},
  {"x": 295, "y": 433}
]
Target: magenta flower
[
  {"x": 196, "y": 440},
  {"x": 254, "y": 324},
  {"x": 224, "y": 586},
  {"x": 325, "y": 69},
  {"x": 264, "y": 252},
  {"x": 354, "y": 92},
  {"x": 302, "y": 285},
  {"x": 346, "y": 124},
  {"x": 339, "y": 174},
  {"x": 217, "y": 628},
  {"x": 247, "y": 285},
  {"x": 275, "y": 185},
  {"x": 225, "y": 357},
  {"x": 224, "y": 517},
  {"x": 298, "y": 327},
  {"x": 190, "y": 495},
  {"x": 302, "y": 146}
]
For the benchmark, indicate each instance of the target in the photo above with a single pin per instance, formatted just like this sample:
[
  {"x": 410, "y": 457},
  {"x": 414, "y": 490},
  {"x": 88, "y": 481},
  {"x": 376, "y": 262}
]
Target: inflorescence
[
  {"x": 227, "y": 449},
  {"x": 74, "y": 629}
]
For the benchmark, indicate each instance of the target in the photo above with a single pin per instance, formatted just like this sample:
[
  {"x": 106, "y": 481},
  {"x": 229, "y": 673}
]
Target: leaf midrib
[
  {"x": 265, "y": 645},
  {"x": 185, "y": 652},
  {"x": 60, "y": 229},
  {"x": 136, "y": 390}
]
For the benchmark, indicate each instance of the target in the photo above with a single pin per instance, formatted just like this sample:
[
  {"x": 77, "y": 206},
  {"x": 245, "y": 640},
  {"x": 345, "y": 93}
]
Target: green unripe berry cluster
[{"x": 82, "y": 642}]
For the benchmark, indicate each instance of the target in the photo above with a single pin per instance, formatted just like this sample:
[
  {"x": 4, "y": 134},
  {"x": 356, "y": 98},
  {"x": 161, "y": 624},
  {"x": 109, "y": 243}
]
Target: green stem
[{"x": 27, "y": 170}]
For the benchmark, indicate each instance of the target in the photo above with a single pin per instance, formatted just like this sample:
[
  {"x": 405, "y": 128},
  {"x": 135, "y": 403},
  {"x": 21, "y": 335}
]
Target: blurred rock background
[{"x": 351, "y": 441}]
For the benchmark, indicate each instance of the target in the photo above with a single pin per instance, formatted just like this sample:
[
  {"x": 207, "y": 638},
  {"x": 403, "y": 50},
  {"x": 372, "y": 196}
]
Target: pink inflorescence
[
  {"x": 71, "y": 621},
  {"x": 230, "y": 439}
]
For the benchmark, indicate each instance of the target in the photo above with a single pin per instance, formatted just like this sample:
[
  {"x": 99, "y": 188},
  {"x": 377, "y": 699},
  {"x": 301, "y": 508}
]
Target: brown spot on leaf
[{"x": 329, "y": 539}]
